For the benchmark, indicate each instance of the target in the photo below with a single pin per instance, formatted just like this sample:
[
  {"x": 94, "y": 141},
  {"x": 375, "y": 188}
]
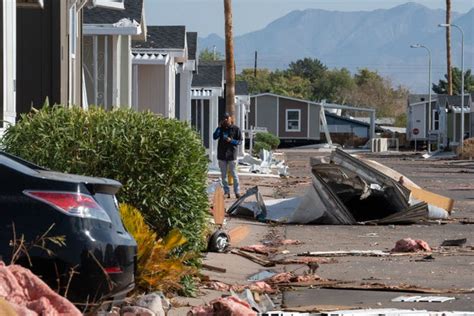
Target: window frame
[{"x": 292, "y": 120}]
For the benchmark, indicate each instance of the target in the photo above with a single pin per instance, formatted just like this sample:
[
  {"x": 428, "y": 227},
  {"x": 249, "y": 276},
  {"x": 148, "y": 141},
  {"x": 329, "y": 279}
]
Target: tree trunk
[
  {"x": 448, "y": 47},
  {"x": 229, "y": 60}
]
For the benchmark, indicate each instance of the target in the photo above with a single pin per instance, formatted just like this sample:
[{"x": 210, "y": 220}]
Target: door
[{"x": 200, "y": 111}]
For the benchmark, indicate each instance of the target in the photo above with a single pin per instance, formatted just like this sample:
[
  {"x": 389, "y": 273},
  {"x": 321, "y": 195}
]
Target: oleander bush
[{"x": 160, "y": 162}]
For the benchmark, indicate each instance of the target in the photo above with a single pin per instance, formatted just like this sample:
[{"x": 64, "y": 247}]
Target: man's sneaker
[
  {"x": 237, "y": 195},
  {"x": 228, "y": 195}
]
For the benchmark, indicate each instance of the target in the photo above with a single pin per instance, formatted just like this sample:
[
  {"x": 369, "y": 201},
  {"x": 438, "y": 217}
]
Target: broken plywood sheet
[
  {"x": 395, "y": 175},
  {"x": 218, "y": 208},
  {"x": 432, "y": 198}
]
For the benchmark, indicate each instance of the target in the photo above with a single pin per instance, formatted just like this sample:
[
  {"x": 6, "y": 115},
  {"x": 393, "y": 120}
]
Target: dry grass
[{"x": 468, "y": 149}]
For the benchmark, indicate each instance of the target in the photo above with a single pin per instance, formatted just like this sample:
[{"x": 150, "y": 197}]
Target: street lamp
[
  {"x": 462, "y": 78},
  {"x": 429, "y": 88}
]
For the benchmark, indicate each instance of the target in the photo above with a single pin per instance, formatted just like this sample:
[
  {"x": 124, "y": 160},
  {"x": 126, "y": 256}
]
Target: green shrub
[
  {"x": 257, "y": 146},
  {"x": 160, "y": 162},
  {"x": 269, "y": 139}
]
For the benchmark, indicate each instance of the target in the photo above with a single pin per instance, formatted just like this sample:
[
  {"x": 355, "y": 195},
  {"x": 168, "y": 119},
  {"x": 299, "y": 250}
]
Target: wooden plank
[
  {"x": 254, "y": 258},
  {"x": 396, "y": 288},
  {"x": 238, "y": 234},
  {"x": 432, "y": 198},
  {"x": 213, "y": 268},
  {"x": 218, "y": 208}
]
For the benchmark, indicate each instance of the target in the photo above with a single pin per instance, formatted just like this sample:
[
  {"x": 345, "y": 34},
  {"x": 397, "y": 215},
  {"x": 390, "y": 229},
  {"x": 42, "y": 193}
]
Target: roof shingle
[
  {"x": 191, "y": 38},
  {"x": 96, "y": 15},
  {"x": 163, "y": 37},
  {"x": 209, "y": 76}
]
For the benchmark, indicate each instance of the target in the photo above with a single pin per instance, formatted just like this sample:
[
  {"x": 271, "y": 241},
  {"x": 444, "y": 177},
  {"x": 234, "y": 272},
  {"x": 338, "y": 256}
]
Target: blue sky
[{"x": 206, "y": 16}]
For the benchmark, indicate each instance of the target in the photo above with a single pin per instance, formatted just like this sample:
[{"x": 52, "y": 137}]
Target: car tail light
[
  {"x": 73, "y": 204},
  {"x": 113, "y": 270}
]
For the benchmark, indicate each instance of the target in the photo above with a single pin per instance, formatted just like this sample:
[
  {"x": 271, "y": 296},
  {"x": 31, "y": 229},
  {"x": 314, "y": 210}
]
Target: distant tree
[
  {"x": 278, "y": 82},
  {"x": 372, "y": 90},
  {"x": 307, "y": 68},
  {"x": 443, "y": 88},
  {"x": 333, "y": 85},
  {"x": 208, "y": 55},
  {"x": 401, "y": 120},
  {"x": 290, "y": 85}
]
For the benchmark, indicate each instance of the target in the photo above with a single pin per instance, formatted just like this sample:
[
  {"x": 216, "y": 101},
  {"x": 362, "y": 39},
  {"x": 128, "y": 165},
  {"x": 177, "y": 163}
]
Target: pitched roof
[
  {"x": 163, "y": 37},
  {"x": 415, "y": 98},
  {"x": 97, "y": 15},
  {"x": 241, "y": 88},
  {"x": 209, "y": 76},
  {"x": 191, "y": 38}
]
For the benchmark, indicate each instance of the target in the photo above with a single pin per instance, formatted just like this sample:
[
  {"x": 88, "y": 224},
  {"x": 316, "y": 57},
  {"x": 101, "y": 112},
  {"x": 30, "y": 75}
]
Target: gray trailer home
[
  {"x": 290, "y": 119},
  {"x": 442, "y": 120}
]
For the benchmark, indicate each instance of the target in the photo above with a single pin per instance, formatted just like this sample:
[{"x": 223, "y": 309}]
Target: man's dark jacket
[{"x": 227, "y": 150}]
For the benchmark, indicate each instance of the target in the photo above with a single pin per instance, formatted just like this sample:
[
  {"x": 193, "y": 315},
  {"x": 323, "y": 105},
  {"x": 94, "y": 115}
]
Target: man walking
[{"x": 229, "y": 138}]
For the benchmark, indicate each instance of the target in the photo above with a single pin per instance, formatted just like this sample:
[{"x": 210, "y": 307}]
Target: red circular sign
[{"x": 416, "y": 131}]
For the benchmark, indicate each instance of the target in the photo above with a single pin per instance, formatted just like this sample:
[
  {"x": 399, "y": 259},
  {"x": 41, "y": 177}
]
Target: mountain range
[{"x": 379, "y": 40}]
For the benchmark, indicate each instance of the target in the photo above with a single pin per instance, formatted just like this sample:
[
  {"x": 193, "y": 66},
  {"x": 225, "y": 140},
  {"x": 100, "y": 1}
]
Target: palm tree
[
  {"x": 229, "y": 59},
  {"x": 448, "y": 47}
]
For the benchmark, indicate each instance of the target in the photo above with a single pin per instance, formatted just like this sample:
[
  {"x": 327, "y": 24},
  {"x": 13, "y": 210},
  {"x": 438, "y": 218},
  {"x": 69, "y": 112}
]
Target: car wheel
[{"x": 219, "y": 241}]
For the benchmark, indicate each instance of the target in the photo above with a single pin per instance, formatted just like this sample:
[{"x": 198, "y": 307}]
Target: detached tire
[{"x": 219, "y": 241}]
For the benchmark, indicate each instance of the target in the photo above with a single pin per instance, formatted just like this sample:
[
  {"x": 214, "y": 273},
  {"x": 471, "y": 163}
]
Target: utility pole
[
  {"x": 214, "y": 53},
  {"x": 255, "y": 67},
  {"x": 448, "y": 47},
  {"x": 229, "y": 60}
]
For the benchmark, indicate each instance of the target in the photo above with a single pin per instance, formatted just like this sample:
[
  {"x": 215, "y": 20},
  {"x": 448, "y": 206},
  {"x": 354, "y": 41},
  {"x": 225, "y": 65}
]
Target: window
[{"x": 293, "y": 120}]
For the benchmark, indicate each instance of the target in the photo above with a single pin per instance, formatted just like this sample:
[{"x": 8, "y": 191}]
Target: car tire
[{"x": 219, "y": 241}]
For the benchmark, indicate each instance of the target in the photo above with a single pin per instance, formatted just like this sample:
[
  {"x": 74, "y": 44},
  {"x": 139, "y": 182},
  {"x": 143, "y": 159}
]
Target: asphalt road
[{"x": 452, "y": 270}]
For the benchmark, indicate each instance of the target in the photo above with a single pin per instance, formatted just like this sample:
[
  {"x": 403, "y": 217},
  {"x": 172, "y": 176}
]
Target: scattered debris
[
  {"x": 305, "y": 260},
  {"x": 410, "y": 245},
  {"x": 258, "y": 303},
  {"x": 260, "y": 249},
  {"x": 259, "y": 287},
  {"x": 263, "y": 275},
  {"x": 291, "y": 277},
  {"x": 345, "y": 191},
  {"x": 267, "y": 164},
  {"x": 343, "y": 253},
  {"x": 428, "y": 299},
  {"x": 155, "y": 302},
  {"x": 212, "y": 268},
  {"x": 27, "y": 294},
  {"x": 454, "y": 242},
  {"x": 394, "y": 288},
  {"x": 427, "y": 258},
  {"x": 254, "y": 258},
  {"x": 224, "y": 306}
]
